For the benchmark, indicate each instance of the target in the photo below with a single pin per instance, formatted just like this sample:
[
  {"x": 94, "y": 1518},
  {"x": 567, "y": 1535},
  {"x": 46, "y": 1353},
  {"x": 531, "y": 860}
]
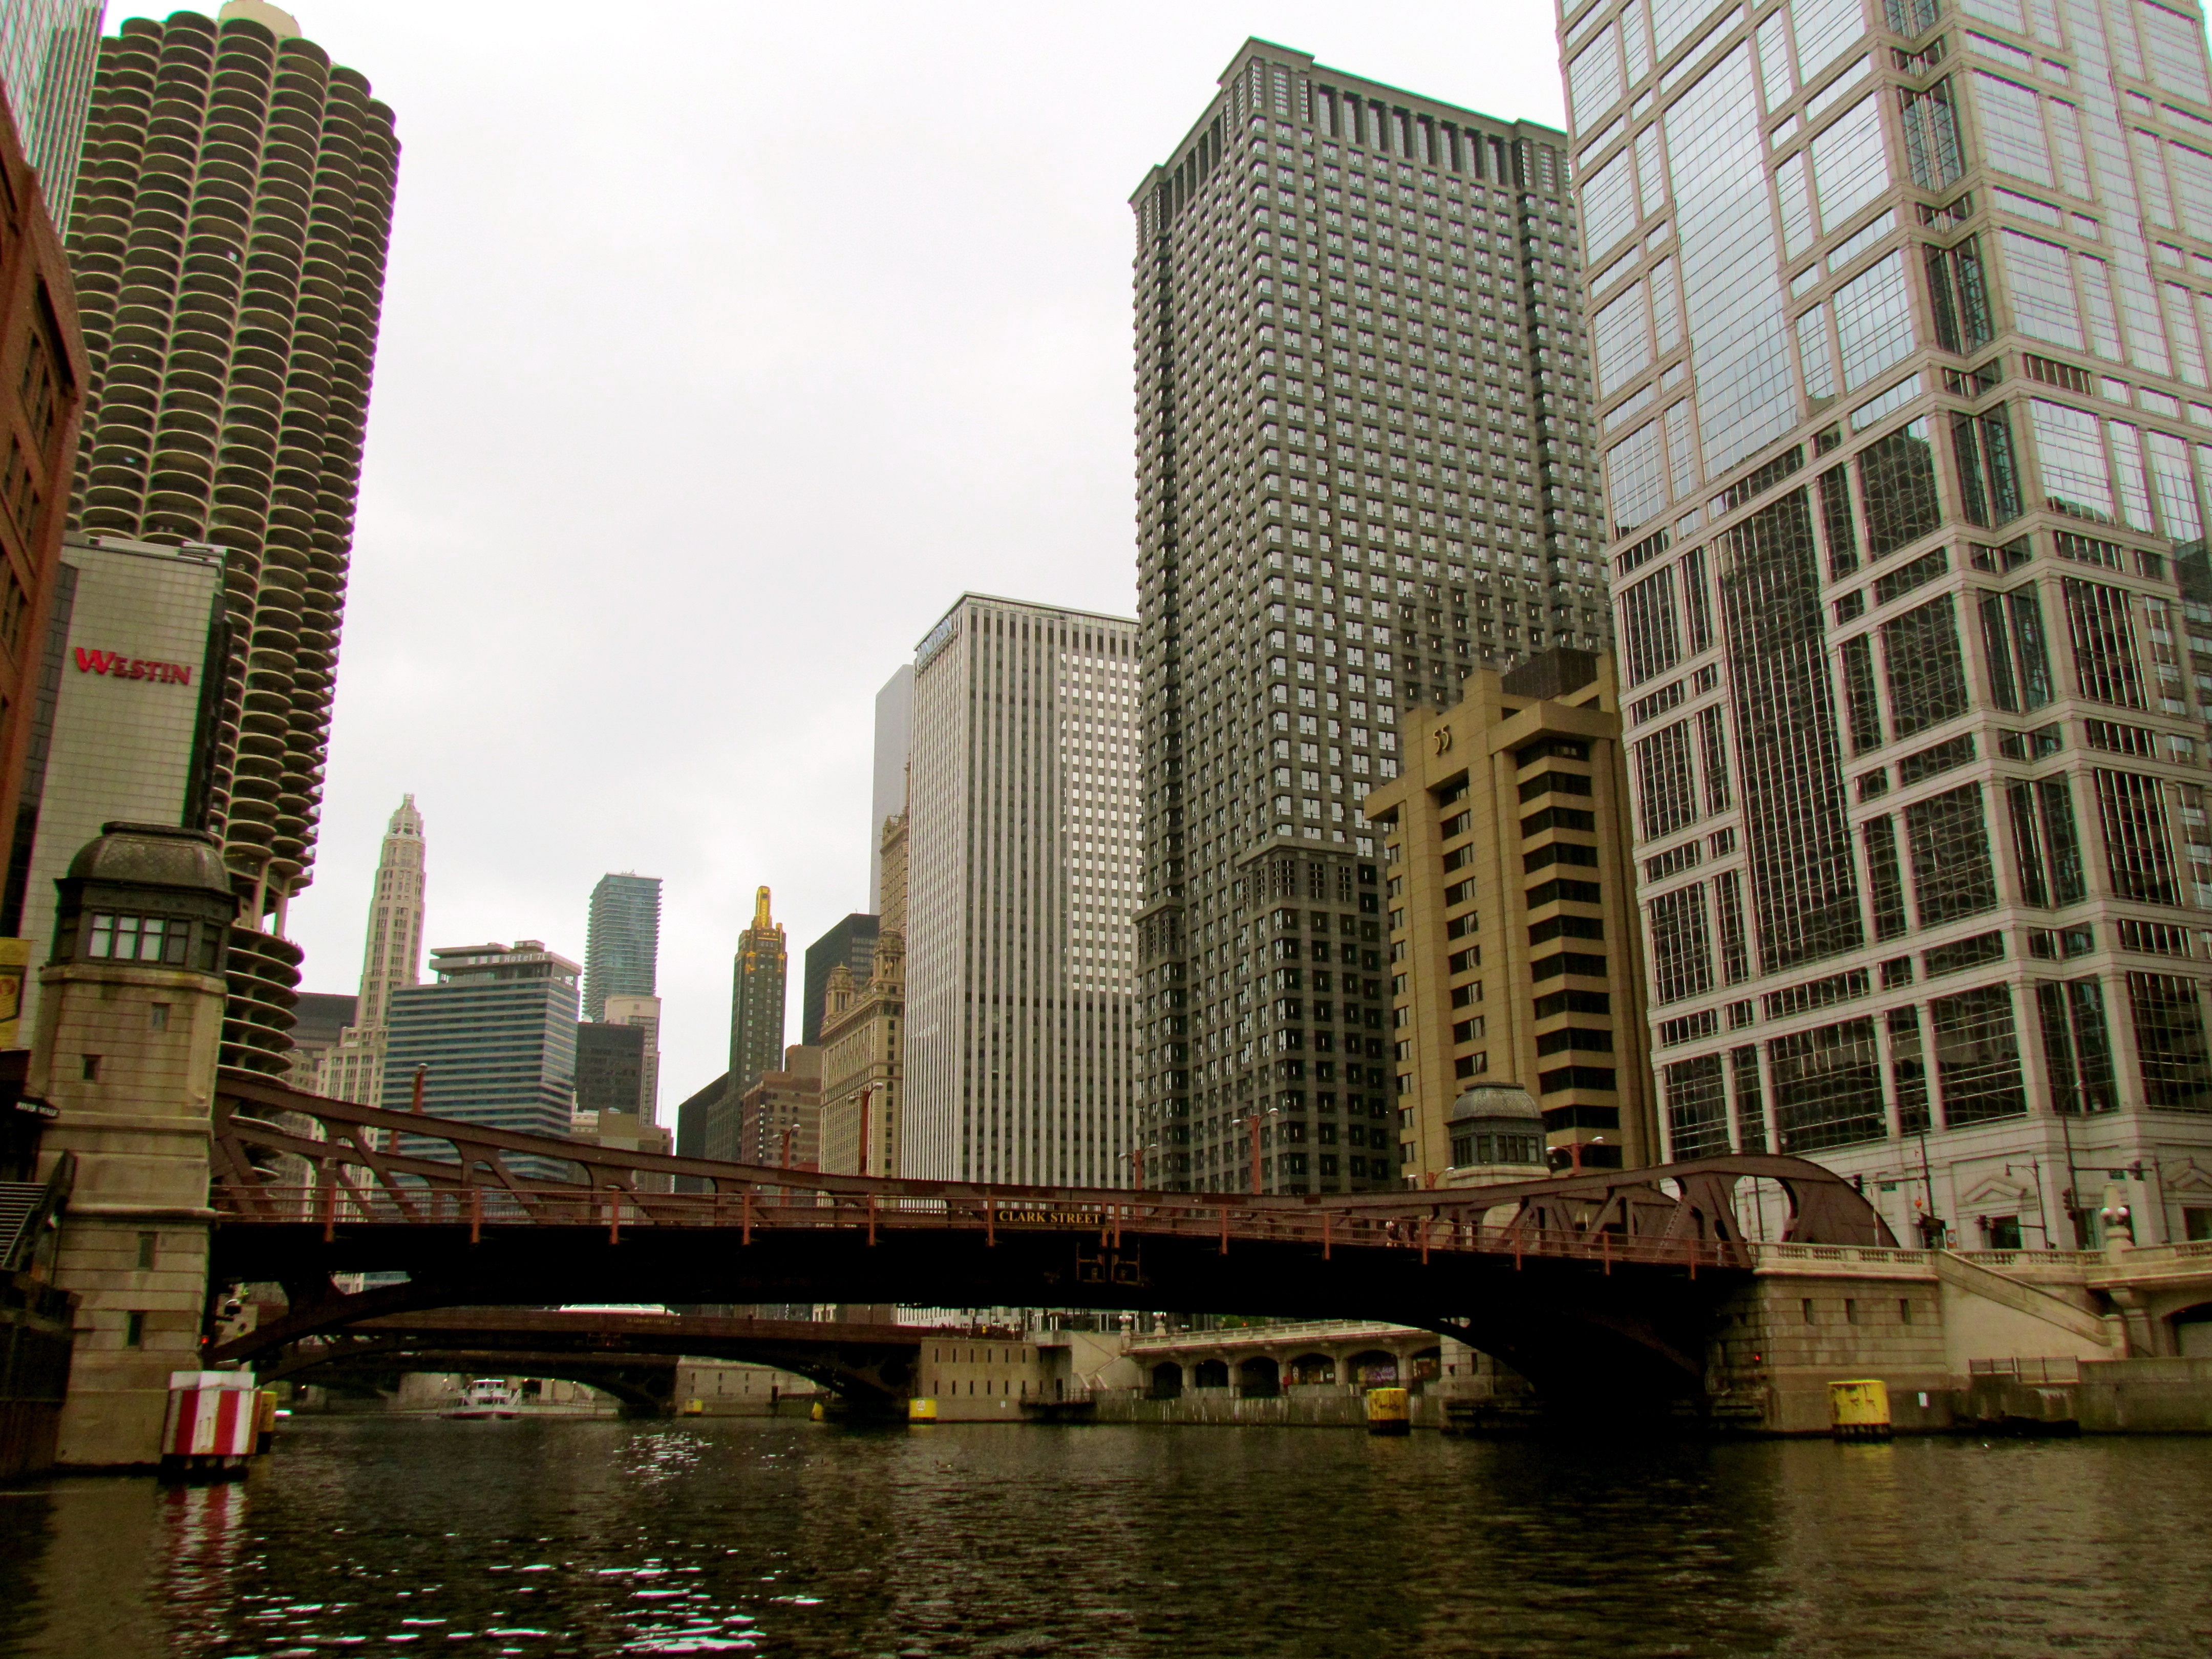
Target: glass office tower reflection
[
  {"x": 46, "y": 54},
  {"x": 1901, "y": 314}
]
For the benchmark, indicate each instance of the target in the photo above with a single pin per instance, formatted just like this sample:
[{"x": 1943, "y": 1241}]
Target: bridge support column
[{"x": 125, "y": 1051}]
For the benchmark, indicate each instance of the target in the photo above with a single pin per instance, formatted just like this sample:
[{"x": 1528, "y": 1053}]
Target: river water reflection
[{"x": 781, "y": 1537}]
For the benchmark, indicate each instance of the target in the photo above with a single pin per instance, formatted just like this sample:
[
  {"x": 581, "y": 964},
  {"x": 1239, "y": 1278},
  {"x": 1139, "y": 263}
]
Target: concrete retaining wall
[{"x": 1300, "y": 1408}]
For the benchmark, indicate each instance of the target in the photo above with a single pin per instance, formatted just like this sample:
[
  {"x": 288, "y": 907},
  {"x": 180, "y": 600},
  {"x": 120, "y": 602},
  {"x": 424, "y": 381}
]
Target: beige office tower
[
  {"x": 1022, "y": 876},
  {"x": 228, "y": 242},
  {"x": 1364, "y": 470},
  {"x": 863, "y": 1037},
  {"x": 390, "y": 959},
  {"x": 1902, "y": 319}
]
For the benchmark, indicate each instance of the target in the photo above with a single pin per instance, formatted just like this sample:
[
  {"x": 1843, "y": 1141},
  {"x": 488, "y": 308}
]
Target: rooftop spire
[{"x": 761, "y": 922}]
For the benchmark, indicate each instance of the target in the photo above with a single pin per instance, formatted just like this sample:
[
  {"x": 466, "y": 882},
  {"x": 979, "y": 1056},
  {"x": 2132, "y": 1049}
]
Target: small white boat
[{"x": 485, "y": 1397}]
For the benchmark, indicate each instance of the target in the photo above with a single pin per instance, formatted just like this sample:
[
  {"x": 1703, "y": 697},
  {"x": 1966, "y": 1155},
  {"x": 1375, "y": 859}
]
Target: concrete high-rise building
[
  {"x": 1022, "y": 866},
  {"x": 392, "y": 956},
  {"x": 228, "y": 235},
  {"x": 776, "y": 1122},
  {"x": 133, "y": 665},
  {"x": 319, "y": 1020},
  {"x": 622, "y": 941},
  {"x": 47, "y": 49},
  {"x": 852, "y": 943},
  {"x": 863, "y": 1043},
  {"x": 494, "y": 1036},
  {"x": 390, "y": 959},
  {"x": 1365, "y": 467},
  {"x": 756, "y": 1011},
  {"x": 1511, "y": 898},
  {"x": 1902, "y": 325},
  {"x": 643, "y": 1012},
  {"x": 610, "y": 1070},
  {"x": 887, "y": 781}
]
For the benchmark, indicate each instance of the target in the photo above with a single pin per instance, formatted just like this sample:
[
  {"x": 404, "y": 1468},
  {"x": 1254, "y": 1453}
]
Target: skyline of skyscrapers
[
  {"x": 228, "y": 235},
  {"x": 622, "y": 941},
  {"x": 1902, "y": 332},
  {"x": 1021, "y": 879},
  {"x": 1364, "y": 468}
]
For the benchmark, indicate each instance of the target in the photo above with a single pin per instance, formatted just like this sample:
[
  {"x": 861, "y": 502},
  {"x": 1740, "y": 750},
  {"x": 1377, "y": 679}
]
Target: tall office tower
[
  {"x": 887, "y": 781},
  {"x": 495, "y": 1036},
  {"x": 757, "y": 1000},
  {"x": 622, "y": 941},
  {"x": 47, "y": 49},
  {"x": 851, "y": 942},
  {"x": 390, "y": 959},
  {"x": 126, "y": 674},
  {"x": 643, "y": 1012},
  {"x": 610, "y": 1071},
  {"x": 1901, "y": 325},
  {"x": 1022, "y": 878},
  {"x": 1365, "y": 469},
  {"x": 1513, "y": 936},
  {"x": 228, "y": 237}
]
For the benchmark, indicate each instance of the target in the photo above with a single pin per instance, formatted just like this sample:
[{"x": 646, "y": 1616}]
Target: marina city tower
[{"x": 228, "y": 242}]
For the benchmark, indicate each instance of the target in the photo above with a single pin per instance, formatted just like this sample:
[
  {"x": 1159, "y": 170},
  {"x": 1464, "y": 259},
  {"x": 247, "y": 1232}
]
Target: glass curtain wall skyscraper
[
  {"x": 622, "y": 941},
  {"x": 1021, "y": 881},
  {"x": 1902, "y": 315},
  {"x": 47, "y": 48},
  {"x": 1365, "y": 468}
]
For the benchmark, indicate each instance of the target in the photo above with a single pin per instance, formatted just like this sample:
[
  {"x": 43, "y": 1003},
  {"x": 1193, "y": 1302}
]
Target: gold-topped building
[
  {"x": 756, "y": 999},
  {"x": 1516, "y": 960}
]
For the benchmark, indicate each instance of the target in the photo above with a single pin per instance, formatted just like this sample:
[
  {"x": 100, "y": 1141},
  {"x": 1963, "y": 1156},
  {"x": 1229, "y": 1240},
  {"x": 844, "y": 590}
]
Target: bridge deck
[{"x": 1216, "y": 1220}]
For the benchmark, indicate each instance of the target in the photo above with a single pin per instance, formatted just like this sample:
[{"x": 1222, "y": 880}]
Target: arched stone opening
[
  {"x": 1428, "y": 1364},
  {"x": 1259, "y": 1378},
  {"x": 2192, "y": 1331},
  {"x": 1312, "y": 1369},
  {"x": 1167, "y": 1380},
  {"x": 1211, "y": 1374}
]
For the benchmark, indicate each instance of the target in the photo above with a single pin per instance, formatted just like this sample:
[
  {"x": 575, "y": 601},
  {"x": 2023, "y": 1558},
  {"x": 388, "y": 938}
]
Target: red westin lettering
[{"x": 115, "y": 664}]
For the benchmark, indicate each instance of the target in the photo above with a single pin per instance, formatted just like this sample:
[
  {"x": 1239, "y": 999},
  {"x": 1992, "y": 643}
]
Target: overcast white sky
[{"x": 723, "y": 347}]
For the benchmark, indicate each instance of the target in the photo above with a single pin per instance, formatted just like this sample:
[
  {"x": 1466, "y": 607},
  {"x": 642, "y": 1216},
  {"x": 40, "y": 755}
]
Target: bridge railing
[{"x": 331, "y": 1206}]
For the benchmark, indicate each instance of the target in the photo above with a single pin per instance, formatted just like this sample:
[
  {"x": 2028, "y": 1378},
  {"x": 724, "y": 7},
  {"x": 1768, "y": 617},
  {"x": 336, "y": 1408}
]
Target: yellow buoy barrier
[
  {"x": 1389, "y": 1411},
  {"x": 1859, "y": 1410},
  {"x": 817, "y": 1414},
  {"x": 695, "y": 1408},
  {"x": 921, "y": 1410}
]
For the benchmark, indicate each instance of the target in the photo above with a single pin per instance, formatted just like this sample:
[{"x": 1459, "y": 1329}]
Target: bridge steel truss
[{"x": 1601, "y": 1283}]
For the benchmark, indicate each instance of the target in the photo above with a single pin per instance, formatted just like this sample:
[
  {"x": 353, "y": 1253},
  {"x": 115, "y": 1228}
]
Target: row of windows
[{"x": 1828, "y": 1086}]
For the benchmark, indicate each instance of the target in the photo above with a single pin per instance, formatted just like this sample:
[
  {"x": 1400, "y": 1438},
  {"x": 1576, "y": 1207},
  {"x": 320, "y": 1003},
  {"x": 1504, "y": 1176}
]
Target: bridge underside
[{"x": 1571, "y": 1327}]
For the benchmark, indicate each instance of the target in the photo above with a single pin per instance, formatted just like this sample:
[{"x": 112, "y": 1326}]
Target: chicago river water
[{"x": 784, "y": 1537}]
